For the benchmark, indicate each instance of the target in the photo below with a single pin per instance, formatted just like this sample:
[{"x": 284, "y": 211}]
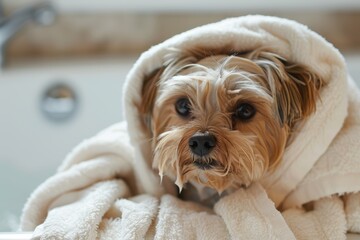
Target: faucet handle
[{"x": 44, "y": 13}]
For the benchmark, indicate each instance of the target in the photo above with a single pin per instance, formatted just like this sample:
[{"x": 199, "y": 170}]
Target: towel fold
[
  {"x": 92, "y": 199},
  {"x": 325, "y": 221}
]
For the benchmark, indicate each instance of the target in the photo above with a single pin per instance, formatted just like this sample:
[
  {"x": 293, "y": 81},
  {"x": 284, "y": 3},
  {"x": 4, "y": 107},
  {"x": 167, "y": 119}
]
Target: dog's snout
[{"x": 201, "y": 144}]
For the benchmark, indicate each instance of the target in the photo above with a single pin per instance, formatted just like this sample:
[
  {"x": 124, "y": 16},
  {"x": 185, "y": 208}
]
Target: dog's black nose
[{"x": 201, "y": 144}]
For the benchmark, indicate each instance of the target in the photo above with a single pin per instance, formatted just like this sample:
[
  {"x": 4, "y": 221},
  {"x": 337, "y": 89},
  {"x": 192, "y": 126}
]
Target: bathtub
[
  {"x": 35, "y": 139},
  {"x": 33, "y": 143}
]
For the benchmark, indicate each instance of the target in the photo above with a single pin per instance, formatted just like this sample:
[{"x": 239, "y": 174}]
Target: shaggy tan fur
[{"x": 281, "y": 92}]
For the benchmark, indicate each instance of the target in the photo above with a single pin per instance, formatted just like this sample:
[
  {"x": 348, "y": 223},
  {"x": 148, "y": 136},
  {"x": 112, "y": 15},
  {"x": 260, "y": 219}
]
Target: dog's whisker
[
  {"x": 179, "y": 184},
  {"x": 161, "y": 176}
]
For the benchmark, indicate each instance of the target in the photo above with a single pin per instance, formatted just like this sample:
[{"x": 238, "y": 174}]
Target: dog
[{"x": 223, "y": 121}]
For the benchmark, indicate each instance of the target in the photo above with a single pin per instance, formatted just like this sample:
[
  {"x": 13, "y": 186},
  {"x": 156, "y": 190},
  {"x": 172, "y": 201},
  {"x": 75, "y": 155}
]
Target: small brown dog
[{"x": 222, "y": 121}]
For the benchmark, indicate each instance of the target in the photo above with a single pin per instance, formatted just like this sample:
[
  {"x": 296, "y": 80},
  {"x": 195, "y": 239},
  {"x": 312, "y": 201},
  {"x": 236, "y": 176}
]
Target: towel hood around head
[{"x": 287, "y": 38}]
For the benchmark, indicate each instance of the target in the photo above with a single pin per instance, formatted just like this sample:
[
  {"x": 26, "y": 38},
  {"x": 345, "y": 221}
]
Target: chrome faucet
[{"x": 42, "y": 12}]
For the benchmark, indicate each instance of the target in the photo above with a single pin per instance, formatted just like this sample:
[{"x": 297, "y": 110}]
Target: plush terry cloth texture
[
  {"x": 106, "y": 189},
  {"x": 87, "y": 200}
]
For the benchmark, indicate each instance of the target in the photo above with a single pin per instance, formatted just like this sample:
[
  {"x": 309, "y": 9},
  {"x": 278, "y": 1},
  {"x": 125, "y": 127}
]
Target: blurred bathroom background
[{"x": 63, "y": 66}]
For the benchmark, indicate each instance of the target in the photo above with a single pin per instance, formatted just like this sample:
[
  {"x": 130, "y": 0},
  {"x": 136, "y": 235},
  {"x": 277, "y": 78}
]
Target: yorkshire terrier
[{"x": 223, "y": 121}]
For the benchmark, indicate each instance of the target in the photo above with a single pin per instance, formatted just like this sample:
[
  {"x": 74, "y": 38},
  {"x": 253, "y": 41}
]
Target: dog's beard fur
[{"x": 282, "y": 94}]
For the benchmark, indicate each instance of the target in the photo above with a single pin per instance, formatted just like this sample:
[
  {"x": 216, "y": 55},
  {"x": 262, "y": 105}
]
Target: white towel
[
  {"x": 81, "y": 202},
  {"x": 87, "y": 200},
  {"x": 107, "y": 187}
]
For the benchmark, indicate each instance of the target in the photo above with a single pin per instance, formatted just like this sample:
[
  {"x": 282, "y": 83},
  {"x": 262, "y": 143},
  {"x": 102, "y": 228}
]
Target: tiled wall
[{"x": 124, "y": 33}]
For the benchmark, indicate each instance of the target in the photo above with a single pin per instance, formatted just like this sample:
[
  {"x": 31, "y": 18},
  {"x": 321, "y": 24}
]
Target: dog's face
[{"x": 224, "y": 121}]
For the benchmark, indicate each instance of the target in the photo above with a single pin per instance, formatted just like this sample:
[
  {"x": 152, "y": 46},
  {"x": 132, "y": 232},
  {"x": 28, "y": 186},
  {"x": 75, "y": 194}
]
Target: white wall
[{"x": 196, "y": 5}]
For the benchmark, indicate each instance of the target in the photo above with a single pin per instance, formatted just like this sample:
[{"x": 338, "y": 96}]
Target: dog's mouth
[{"x": 205, "y": 164}]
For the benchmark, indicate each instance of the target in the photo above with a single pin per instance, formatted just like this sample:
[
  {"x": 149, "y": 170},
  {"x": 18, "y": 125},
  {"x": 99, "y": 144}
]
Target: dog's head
[{"x": 223, "y": 121}]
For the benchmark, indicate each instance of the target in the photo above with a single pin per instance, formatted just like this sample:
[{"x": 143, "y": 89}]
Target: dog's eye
[
  {"x": 182, "y": 107},
  {"x": 244, "y": 111}
]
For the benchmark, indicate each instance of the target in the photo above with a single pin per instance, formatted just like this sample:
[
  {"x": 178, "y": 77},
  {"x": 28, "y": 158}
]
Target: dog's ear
[
  {"x": 295, "y": 88},
  {"x": 148, "y": 93}
]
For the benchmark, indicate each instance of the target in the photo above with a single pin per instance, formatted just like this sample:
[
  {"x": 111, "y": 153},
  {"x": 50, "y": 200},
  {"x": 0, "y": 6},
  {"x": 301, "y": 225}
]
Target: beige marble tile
[{"x": 125, "y": 33}]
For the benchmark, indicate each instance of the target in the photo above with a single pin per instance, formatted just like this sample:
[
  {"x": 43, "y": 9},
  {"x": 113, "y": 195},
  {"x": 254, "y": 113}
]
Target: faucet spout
[{"x": 43, "y": 13}]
